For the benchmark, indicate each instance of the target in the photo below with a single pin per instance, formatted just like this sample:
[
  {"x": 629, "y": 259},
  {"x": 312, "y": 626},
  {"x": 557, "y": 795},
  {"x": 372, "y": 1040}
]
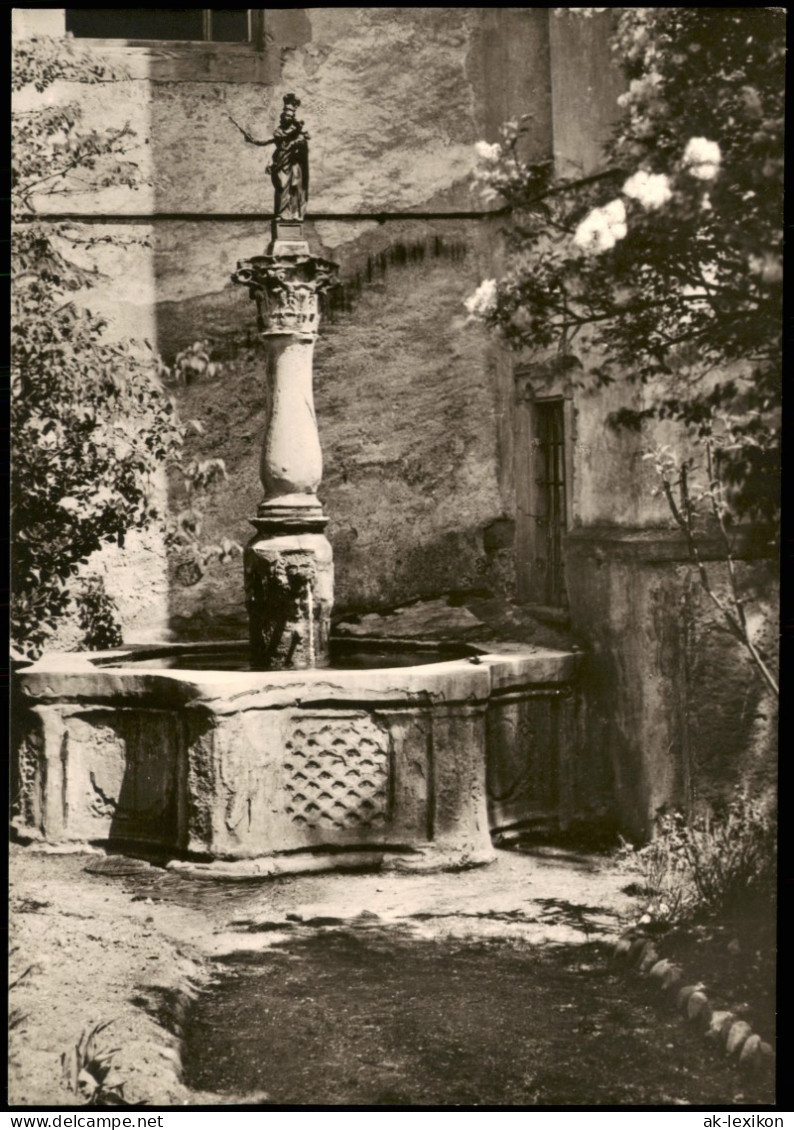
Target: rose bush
[{"x": 666, "y": 266}]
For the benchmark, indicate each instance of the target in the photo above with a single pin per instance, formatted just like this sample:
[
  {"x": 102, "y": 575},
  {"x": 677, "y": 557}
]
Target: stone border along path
[{"x": 635, "y": 948}]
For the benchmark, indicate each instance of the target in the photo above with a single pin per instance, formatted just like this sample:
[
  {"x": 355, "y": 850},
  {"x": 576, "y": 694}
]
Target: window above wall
[
  {"x": 153, "y": 25},
  {"x": 179, "y": 44}
]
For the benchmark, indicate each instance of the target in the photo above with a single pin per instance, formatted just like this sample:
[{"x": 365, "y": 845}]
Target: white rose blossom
[
  {"x": 486, "y": 152},
  {"x": 702, "y": 158},
  {"x": 768, "y": 267},
  {"x": 647, "y": 88},
  {"x": 651, "y": 190},
  {"x": 483, "y": 301},
  {"x": 602, "y": 228}
]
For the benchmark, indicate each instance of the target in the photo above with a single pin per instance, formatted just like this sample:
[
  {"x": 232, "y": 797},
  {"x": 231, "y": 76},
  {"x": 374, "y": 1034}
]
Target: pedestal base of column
[
  {"x": 289, "y": 587},
  {"x": 290, "y": 513}
]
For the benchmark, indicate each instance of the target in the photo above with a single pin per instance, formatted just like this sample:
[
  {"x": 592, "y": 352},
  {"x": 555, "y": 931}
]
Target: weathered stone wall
[
  {"x": 412, "y": 403},
  {"x": 393, "y": 99},
  {"x": 673, "y": 703},
  {"x": 407, "y": 414}
]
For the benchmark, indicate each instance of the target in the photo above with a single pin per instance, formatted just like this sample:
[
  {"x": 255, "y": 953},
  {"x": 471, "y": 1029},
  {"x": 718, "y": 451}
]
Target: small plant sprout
[
  {"x": 195, "y": 363},
  {"x": 88, "y": 1069},
  {"x": 184, "y": 530}
]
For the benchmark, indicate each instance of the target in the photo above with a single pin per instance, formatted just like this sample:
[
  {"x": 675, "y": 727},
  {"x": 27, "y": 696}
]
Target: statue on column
[
  {"x": 289, "y": 563},
  {"x": 289, "y": 167}
]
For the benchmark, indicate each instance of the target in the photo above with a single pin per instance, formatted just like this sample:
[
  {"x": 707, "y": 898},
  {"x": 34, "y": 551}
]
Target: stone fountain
[{"x": 307, "y": 745}]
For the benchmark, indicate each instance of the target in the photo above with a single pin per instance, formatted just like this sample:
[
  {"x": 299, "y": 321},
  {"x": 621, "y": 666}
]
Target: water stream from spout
[{"x": 310, "y": 610}]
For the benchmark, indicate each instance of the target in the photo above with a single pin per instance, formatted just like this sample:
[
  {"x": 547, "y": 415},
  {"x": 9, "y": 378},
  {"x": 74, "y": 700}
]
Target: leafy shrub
[
  {"x": 710, "y": 863},
  {"x": 93, "y": 422},
  {"x": 98, "y": 616},
  {"x": 665, "y": 267}
]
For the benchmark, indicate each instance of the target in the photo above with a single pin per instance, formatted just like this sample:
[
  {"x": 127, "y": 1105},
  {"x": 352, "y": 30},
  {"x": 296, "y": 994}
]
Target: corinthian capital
[{"x": 285, "y": 290}]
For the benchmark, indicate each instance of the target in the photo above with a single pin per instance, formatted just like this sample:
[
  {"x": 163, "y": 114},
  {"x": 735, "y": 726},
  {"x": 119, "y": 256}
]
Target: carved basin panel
[{"x": 240, "y": 764}]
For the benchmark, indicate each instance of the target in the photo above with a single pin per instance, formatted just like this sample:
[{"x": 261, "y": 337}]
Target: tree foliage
[
  {"x": 92, "y": 422},
  {"x": 666, "y": 266}
]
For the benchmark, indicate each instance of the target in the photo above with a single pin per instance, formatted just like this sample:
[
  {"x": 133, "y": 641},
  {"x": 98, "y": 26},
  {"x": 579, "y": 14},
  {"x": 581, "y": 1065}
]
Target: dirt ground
[{"x": 488, "y": 987}]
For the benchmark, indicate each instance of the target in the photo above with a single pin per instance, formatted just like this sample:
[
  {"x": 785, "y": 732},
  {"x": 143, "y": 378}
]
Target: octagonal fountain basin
[{"x": 175, "y": 748}]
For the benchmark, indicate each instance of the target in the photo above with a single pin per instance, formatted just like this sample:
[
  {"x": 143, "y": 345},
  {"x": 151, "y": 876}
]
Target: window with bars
[
  {"x": 189, "y": 25},
  {"x": 551, "y": 513},
  {"x": 543, "y": 457}
]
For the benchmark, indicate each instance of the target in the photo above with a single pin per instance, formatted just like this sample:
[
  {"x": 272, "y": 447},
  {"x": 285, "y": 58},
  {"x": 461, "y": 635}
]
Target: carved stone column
[{"x": 289, "y": 564}]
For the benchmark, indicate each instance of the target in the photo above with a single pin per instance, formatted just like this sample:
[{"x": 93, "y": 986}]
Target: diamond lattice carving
[{"x": 337, "y": 773}]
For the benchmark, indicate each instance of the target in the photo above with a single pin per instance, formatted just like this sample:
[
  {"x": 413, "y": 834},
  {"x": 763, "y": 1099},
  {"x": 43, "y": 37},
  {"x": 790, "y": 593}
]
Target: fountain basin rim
[{"x": 483, "y": 670}]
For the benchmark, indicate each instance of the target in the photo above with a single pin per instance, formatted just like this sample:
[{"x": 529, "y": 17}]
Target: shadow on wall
[
  {"x": 674, "y": 707},
  {"x": 405, "y": 401},
  {"x": 407, "y": 418}
]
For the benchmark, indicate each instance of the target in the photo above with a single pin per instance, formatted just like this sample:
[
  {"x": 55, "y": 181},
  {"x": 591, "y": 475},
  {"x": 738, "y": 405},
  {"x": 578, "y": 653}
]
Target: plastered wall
[{"x": 413, "y": 404}]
